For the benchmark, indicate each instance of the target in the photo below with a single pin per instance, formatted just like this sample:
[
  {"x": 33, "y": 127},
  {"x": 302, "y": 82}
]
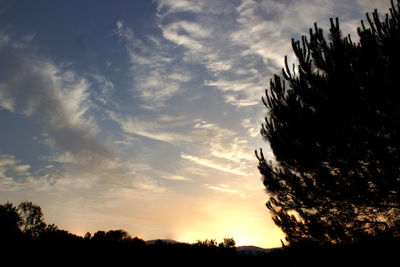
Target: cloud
[
  {"x": 187, "y": 34},
  {"x": 175, "y": 178},
  {"x": 106, "y": 88},
  {"x": 237, "y": 150},
  {"x": 282, "y": 20},
  {"x": 370, "y": 5},
  {"x": 156, "y": 75},
  {"x": 9, "y": 166},
  {"x": 202, "y": 136},
  {"x": 224, "y": 143},
  {"x": 206, "y": 37},
  {"x": 16, "y": 176},
  {"x": 257, "y": 20},
  {"x": 179, "y": 6},
  {"x": 61, "y": 101},
  {"x": 116, "y": 171},
  {"x": 157, "y": 129},
  {"x": 225, "y": 150},
  {"x": 242, "y": 43},
  {"x": 253, "y": 129},
  {"x": 181, "y": 131},
  {"x": 73, "y": 175},
  {"x": 223, "y": 188},
  {"x": 213, "y": 165},
  {"x": 58, "y": 99},
  {"x": 175, "y": 120}
]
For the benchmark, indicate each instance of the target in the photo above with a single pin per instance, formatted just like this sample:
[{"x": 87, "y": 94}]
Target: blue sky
[{"x": 144, "y": 115}]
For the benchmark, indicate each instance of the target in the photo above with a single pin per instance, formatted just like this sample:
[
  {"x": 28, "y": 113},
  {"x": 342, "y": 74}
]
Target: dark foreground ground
[{"x": 79, "y": 252}]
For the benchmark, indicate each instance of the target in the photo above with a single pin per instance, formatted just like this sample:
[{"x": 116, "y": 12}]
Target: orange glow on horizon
[
  {"x": 216, "y": 215},
  {"x": 245, "y": 229}
]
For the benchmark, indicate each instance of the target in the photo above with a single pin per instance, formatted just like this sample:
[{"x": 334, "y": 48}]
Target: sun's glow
[{"x": 227, "y": 221}]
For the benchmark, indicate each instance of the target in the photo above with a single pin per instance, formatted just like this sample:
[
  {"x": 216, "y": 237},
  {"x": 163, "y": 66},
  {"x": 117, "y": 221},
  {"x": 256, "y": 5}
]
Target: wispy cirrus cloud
[
  {"x": 207, "y": 40},
  {"x": 179, "y": 6},
  {"x": 214, "y": 165},
  {"x": 248, "y": 39},
  {"x": 63, "y": 104},
  {"x": 15, "y": 176},
  {"x": 223, "y": 188},
  {"x": 206, "y": 137},
  {"x": 253, "y": 128},
  {"x": 12, "y": 169},
  {"x": 58, "y": 99},
  {"x": 176, "y": 177},
  {"x": 156, "y": 75},
  {"x": 160, "y": 128},
  {"x": 224, "y": 143}
]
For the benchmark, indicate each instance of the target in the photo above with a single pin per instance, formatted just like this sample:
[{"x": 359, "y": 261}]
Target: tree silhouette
[
  {"x": 209, "y": 243},
  {"x": 228, "y": 242},
  {"x": 10, "y": 222},
  {"x": 117, "y": 236},
  {"x": 334, "y": 131},
  {"x": 99, "y": 236},
  {"x": 32, "y": 219}
]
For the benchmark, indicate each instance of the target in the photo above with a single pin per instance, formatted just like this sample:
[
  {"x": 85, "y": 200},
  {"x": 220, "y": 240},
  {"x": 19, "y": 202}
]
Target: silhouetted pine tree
[{"x": 335, "y": 134}]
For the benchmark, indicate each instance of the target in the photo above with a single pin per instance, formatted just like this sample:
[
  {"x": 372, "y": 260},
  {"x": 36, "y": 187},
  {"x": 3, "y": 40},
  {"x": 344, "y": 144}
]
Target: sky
[{"x": 144, "y": 115}]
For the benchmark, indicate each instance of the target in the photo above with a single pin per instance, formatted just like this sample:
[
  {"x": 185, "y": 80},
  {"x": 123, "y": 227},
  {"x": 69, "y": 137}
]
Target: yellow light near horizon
[
  {"x": 244, "y": 228},
  {"x": 214, "y": 216},
  {"x": 258, "y": 237}
]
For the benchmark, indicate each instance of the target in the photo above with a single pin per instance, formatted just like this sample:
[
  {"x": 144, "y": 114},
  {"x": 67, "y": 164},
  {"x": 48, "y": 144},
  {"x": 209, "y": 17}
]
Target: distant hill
[
  {"x": 166, "y": 241},
  {"x": 249, "y": 250},
  {"x": 253, "y": 250}
]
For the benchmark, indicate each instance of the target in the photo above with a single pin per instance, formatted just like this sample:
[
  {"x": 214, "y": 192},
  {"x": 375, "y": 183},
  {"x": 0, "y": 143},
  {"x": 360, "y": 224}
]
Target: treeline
[
  {"x": 25, "y": 222},
  {"x": 26, "y": 238}
]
